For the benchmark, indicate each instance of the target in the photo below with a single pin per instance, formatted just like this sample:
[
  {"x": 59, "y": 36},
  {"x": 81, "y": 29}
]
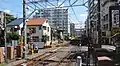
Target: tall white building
[{"x": 58, "y": 17}]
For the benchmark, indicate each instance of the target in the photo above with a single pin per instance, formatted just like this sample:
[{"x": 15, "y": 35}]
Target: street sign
[{"x": 114, "y": 17}]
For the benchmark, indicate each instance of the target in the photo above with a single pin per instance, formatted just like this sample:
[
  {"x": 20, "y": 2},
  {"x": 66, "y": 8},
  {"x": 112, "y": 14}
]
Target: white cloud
[
  {"x": 8, "y": 11},
  {"x": 84, "y": 15}
]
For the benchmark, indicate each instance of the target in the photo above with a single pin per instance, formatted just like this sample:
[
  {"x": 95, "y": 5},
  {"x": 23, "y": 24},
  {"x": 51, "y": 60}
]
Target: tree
[
  {"x": 9, "y": 19},
  {"x": 114, "y": 31},
  {"x": 12, "y": 36}
]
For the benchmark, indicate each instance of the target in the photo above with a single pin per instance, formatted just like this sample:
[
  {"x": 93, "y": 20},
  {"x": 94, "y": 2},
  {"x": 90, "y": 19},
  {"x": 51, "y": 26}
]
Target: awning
[{"x": 104, "y": 58}]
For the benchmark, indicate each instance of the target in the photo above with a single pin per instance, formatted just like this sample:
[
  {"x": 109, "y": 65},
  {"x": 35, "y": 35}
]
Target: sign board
[{"x": 114, "y": 17}]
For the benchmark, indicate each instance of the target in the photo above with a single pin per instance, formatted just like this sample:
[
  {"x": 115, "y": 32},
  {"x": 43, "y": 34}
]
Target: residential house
[
  {"x": 39, "y": 29},
  {"x": 15, "y": 26}
]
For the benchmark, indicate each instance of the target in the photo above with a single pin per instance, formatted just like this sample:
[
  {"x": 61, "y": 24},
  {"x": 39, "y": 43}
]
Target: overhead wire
[
  {"x": 34, "y": 4},
  {"x": 74, "y": 11},
  {"x": 62, "y": 3},
  {"x": 51, "y": 3},
  {"x": 72, "y": 3}
]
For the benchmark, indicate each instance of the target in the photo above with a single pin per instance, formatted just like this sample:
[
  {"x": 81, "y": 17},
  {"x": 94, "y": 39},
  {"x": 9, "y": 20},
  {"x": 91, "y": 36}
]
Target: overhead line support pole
[
  {"x": 24, "y": 30},
  {"x": 99, "y": 24},
  {"x": 6, "y": 60}
]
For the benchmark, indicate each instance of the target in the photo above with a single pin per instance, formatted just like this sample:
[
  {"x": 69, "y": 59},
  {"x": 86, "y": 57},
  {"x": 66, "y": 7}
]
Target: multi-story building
[
  {"x": 58, "y": 18},
  {"x": 105, "y": 19},
  {"x": 86, "y": 27},
  {"x": 79, "y": 32},
  {"x": 105, "y": 23},
  {"x": 92, "y": 21},
  {"x": 72, "y": 29},
  {"x": 2, "y": 18}
]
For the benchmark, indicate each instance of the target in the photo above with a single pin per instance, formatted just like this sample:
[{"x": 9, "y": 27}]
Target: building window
[
  {"x": 48, "y": 38},
  {"x": 35, "y": 39},
  {"x": 103, "y": 33},
  {"x": 40, "y": 27},
  {"x": 48, "y": 29},
  {"x": 44, "y": 27},
  {"x": 33, "y": 30},
  {"x": 47, "y": 21}
]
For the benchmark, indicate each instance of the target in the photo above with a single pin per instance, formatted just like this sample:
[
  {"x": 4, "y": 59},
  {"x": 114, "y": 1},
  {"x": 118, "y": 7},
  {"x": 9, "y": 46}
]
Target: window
[
  {"x": 48, "y": 38},
  {"x": 103, "y": 33},
  {"x": 35, "y": 39},
  {"x": 33, "y": 30},
  {"x": 48, "y": 29},
  {"x": 44, "y": 27},
  {"x": 40, "y": 27},
  {"x": 47, "y": 21}
]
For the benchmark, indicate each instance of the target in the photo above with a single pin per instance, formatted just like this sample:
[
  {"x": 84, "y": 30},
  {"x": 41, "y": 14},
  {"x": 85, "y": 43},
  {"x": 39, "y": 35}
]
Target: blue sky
[{"x": 15, "y": 7}]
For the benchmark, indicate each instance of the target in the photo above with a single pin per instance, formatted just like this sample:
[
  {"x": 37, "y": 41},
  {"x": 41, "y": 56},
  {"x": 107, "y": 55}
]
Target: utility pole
[
  {"x": 4, "y": 14},
  {"x": 99, "y": 24},
  {"x": 24, "y": 30}
]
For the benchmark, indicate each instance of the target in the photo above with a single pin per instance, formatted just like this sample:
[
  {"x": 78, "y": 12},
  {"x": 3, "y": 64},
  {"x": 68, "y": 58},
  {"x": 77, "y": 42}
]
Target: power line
[
  {"x": 74, "y": 11},
  {"x": 73, "y": 2},
  {"x": 51, "y": 4},
  {"x": 40, "y": 4},
  {"x": 62, "y": 3},
  {"x": 33, "y": 4}
]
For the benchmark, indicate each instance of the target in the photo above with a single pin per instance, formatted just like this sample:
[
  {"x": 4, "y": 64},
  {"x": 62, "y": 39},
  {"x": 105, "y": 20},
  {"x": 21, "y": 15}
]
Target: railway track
[
  {"x": 39, "y": 58},
  {"x": 57, "y": 57},
  {"x": 63, "y": 59},
  {"x": 50, "y": 61}
]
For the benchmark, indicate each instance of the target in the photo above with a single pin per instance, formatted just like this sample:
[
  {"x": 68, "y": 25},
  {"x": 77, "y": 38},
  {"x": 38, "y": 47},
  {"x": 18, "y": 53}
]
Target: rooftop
[
  {"x": 36, "y": 21},
  {"x": 15, "y": 22}
]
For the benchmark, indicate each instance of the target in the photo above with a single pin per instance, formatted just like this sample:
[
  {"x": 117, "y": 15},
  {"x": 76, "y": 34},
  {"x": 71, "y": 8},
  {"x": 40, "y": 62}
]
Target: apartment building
[
  {"x": 58, "y": 18},
  {"x": 92, "y": 21},
  {"x": 105, "y": 19},
  {"x": 105, "y": 22}
]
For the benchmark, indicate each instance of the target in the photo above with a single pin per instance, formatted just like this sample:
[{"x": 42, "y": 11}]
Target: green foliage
[
  {"x": 115, "y": 30},
  {"x": 12, "y": 36},
  {"x": 9, "y": 19}
]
